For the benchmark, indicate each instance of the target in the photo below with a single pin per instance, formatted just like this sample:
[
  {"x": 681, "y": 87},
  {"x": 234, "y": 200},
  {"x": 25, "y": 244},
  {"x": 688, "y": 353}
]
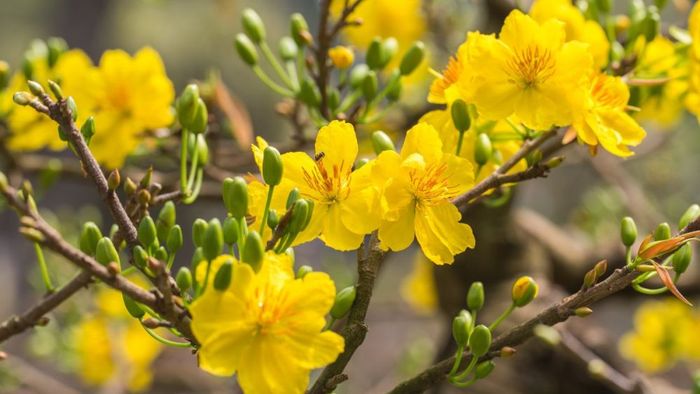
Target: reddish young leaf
[{"x": 668, "y": 282}]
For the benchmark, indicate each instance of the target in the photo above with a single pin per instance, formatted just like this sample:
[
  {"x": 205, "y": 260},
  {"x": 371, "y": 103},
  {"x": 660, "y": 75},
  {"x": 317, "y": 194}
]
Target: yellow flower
[
  {"x": 267, "y": 327},
  {"x": 576, "y": 25},
  {"x": 692, "y": 100},
  {"x": 344, "y": 204},
  {"x": 416, "y": 187},
  {"x": 604, "y": 120},
  {"x": 529, "y": 71},
  {"x": 665, "y": 332},
  {"x": 418, "y": 288},
  {"x": 444, "y": 89},
  {"x": 341, "y": 56}
]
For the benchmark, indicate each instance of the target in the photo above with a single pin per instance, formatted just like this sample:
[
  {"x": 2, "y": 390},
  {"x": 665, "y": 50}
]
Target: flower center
[
  {"x": 432, "y": 184},
  {"x": 332, "y": 183},
  {"x": 532, "y": 66}
]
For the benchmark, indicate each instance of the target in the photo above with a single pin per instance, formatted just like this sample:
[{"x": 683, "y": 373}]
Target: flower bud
[
  {"x": 105, "y": 252},
  {"x": 199, "y": 228},
  {"x": 480, "y": 340},
  {"x": 166, "y": 220},
  {"x": 273, "y": 219},
  {"x": 197, "y": 257},
  {"x": 308, "y": 93},
  {"x": 114, "y": 180},
  {"x": 88, "y": 129},
  {"x": 183, "y": 279},
  {"x": 484, "y": 369},
  {"x": 389, "y": 48},
  {"x": 140, "y": 256},
  {"x": 690, "y": 214},
  {"x": 89, "y": 237},
  {"x": 460, "y": 115},
  {"x": 56, "y": 47},
  {"x": 253, "y": 251},
  {"x": 524, "y": 291},
  {"x": 299, "y": 215},
  {"x": 507, "y": 351},
  {"x": 72, "y": 107},
  {"x": 475, "y": 296},
  {"x": 246, "y": 50},
  {"x": 147, "y": 233},
  {"x": 35, "y": 87},
  {"x": 222, "y": 279},
  {"x": 652, "y": 23},
  {"x": 662, "y": 232},
  {"x": 589, "y": 279},
  {"x": 186, "y": 104},
  {"x": 32, "y": 234},
  {"x": 583, "y": 311},
  {"x": 143, "y": 197},
  {"x": 381, "y": 142},
  {"x": 370, "y": 85},
  {"x": 483, "y": 149},
  {"x": 393, "y": 92},
  {"x": 681, "y": 258},
  {"x": 235, "y": 193},
  {"x": 161, "y": 254},
  {"x": 600, "y": 268},
  {"x": 357, "y": 75},
  {"x": 22, "y": 98},
  {"x": 213, "y": 240},
  {"x": 412, "y": 58},
  {"x": 343, "y": 302},
  {"x": 55, "y": 90},
  {"x": 290, "y": 252},
  {"x": 361, "y": 162},
  {"x": 288, "y": 49},
  {"x": 461, "y": 326},
  {"x": 293, "y": 196},
  {"x": 299, "y": 29},
  {"x": 303, "y": 270},
  {"x": 253, "y": 26},
  {"x": 132, "y": 307},
  {"x": 373, "y": 57},
  {"x": 341, "y": 56},
  {"x": 202, "y": 150},
  {"x": 200, "y": 120},
  {"x": 628, "y": 231},
  {"x": 230, "y": 230},
  {"x": 272, "y": 169},
  {"x": 175, "y": 239}
]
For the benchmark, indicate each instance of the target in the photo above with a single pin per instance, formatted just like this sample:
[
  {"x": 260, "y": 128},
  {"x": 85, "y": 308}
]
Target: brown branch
[{"x": 369, "y": 259}]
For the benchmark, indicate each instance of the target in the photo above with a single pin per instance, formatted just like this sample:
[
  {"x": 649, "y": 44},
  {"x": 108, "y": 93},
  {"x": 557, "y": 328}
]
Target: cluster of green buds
[
  {"x": 358, "y": 90},
  {"x": 159, "y": 239},
  {"x": 193, "y": 116},
  {"x": 660, "y": 254}
]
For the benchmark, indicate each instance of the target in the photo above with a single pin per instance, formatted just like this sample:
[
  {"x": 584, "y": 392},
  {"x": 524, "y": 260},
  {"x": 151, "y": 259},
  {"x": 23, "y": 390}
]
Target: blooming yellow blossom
[
  {"x": 692, "y": 100},
  {"x": 267, "y": 327},
  {"x": 341, "y": 56},
  {"x": 444, "y": 89},
  {"x": 576, "y": 26},
  {"x": 604, "y": 120},
  {"x": 344, "y": 204},
  {"x": 664, "y": 332},
  {"x": 529, "y": 71},
  {"x": 418, "y": 288},
  {"x": 416, "y": 187}
]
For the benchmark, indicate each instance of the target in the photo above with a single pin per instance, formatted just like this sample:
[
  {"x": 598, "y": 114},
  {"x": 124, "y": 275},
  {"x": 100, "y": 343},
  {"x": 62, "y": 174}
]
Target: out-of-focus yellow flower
[
  {"x": 30, "y": 130},
  {"x": 604, "y": 120},
  {"x": 418, "y": 288},
  {"x": 665, "y": 332},
  {"x": 444, "y": 89},
  {"x": 416, "y": 187},
  {"x": 529, "y": 71},
  {"x": 576, "y": 26},
  {"x": 662, "y": 104},
  {"x": 692, "y": 100},
  {"x": 110, "y": 345},
  {"x": 267, "y": 327},
  {"x": 345, "y": 207},
  {"x": 341, "y": 56}
]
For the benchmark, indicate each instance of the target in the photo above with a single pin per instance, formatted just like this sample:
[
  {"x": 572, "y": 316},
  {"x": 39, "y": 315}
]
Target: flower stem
[
  {"x": 275, "y": 64},
  {"x": 270, "y": 83},
  {"x": 503, "y": 316},
  {"x": 458, "y": 360},
  {"x": 183, "y": 163},
  {"x": 165, "y": 341},
  {"x": 459, "y": 142},
  {"x": 467, "y": 371},
  {"x": 45, "y": 277},
  {"x": 270, "y": 190}
]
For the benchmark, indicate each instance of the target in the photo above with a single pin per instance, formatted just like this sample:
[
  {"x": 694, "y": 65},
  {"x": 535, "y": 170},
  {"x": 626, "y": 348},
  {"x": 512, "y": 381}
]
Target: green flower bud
[
  {"x": 140, "y": 256},
  {"x": 484, "y": 369},
  {"x": 393, "y": 93},
  {"x": 272, "y": 166},
  {"x": 299, "y": 29},
  {"x": 246, "y": 50},
  {"x": 381, "y": 142},
  {"x": 288, "y": 49},
  {"x": 89, "y": 237},
  {"x": 186, "y": 104},
  {"x": 161, "y": 254},
  {"x": 309, "y": 213},
  {"x": 292, "y": 197},
  {"x": 202, "y": 150},
  {"x": 461, "y": 327},
  {"x": 628, "y": 231},
  {"x": 88, "y": 129},
  {"x": 231, "y": 230},
  {"x": 652, "y": 23},
  {"x": 357, "y": 75},
  {"x": 253, "y": 26},
  {"x": 299, "y": 215},
  {"x": 22, "y": 98},
  {"x": 223, "y": 276},
  {"x": 460, "y": 115},
  {"x": 303, "y": 270},
  {"x": 290, "y": 252},
  {"x": 374, "y": 54},
  {"x": 213, "y": 240},
  {"x": 113, "y": 180},
  {"x": 55, "y": 90},
  {"x": 175, "y": 239},
  {"x": 361, "y": 162},
  {"x": 199, "y": 228},
  {"x": 235, "y": 194},
  {"x": 583, "y": 311},
  {"x": 197, "y": 257},
  {"x": 308, "y": 93},
  {"x": 166, "y": 220},
  {"x": 662, "y": 232},
  {"x": 480, "y": 340},
  {"x": 56, "y": 47},
  {"x": 35, "y": 87},
  {"x": 690, "y": 214},
  {"x": 412, "y": 58},
  {"x": 132, "y": 307},
  {"x": 524, "y": 290},
  {"x": 253, "y": 251},
  {"x": 147, "y": 233},
  {"x": 389, "y": 48},
  {"x": 475, "y": 296},
  {"x": 70, "y": 103},
  {"x": 370, "y": 86},
  {"x": 272, "y": 219},
  {"x": 681, "y": 258},
  {"x": 343, "y": 302},
  {"x": 200, "y": 120},
  {"x": 483, "y": 149},
  {"x": 105, "y": 252},
  {"x": 183, "y": 279}
]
